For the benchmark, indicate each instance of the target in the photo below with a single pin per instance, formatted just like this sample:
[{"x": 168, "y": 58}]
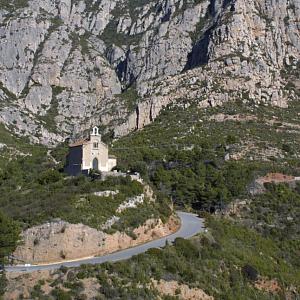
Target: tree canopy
[{"x": 9, "y": 235}]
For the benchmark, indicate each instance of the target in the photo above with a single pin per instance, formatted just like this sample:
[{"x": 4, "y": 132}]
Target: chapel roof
[{"x": 78, "y": 143}]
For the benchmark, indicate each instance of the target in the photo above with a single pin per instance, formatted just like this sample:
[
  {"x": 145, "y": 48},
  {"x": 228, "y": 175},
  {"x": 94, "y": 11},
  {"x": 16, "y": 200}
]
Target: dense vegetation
[
  {"x": 34, "y": 189},
  {"x": 9, "y": 235},
  {"x": 53, "y": 196},
  {"x": 183, "y": 155},
  {"x": 226, "y": 262},
  {"x": 277, "y": 212}
]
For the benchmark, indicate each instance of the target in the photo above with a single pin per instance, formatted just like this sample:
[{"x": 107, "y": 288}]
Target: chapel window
[{"x": 95, "y": 145}]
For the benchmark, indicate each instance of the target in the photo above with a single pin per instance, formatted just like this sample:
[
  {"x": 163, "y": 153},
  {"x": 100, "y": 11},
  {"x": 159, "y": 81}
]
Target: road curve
[{"x": 190, "y": 225}]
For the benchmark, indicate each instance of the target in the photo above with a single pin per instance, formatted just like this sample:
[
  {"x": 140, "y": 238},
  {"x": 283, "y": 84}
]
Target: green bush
[
  {"x": 186, "y": 248},
  {"x": 59, "y": 294},
  {"x": 49, "y": 176},
  {"x": 250, "y": 273},
  {"x": 3, "y": 283},
  {"x": 9, "y": 237}
]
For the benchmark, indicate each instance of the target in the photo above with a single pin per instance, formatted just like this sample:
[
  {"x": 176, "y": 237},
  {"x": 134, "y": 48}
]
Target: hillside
[
  {"x": 251, "y": 248},
  {"x": 201, "y": 97}
]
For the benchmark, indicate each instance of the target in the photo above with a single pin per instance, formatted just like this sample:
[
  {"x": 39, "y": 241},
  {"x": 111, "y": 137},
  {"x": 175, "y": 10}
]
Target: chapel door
[{"x": 95, "y": 164}]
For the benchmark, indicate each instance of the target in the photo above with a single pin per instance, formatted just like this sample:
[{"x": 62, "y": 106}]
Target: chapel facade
[{"x": 89, "y": 154}]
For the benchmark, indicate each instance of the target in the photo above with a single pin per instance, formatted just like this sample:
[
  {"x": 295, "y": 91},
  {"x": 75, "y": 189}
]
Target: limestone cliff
[{"x": 68, "y": 64}]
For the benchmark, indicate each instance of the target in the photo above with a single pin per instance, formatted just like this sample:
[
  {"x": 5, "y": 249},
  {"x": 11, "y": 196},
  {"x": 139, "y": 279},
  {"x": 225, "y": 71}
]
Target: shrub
[
  {"x": 49, "y": 176},
  {"x": 9, "y": 236},
  {"x": 249, "y": 273},
  {"x": 186, "y": 248},
  {"x": 59, "y": 294},
  {"x": 3, "y": 283},
  {"x": 287, "y": 148}
]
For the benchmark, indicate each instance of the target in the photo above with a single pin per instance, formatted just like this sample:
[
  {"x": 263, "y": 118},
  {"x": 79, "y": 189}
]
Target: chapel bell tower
[
  {"x": 95, "y": 132},
  {"x": 95, "y": 137}
]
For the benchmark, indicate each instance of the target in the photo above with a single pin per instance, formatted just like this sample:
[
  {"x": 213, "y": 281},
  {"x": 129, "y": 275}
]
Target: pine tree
[{"x": 9, "y": 235}]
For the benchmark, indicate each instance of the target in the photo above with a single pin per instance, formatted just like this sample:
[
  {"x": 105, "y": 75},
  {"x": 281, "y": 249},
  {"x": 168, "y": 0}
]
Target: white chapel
[{"x": 89, "y": 154}]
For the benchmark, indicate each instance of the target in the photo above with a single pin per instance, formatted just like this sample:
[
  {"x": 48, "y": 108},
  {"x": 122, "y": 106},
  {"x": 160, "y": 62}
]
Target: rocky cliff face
[
  {"x": 54, "y": 242},
  {"x": 68, "y": 64}
]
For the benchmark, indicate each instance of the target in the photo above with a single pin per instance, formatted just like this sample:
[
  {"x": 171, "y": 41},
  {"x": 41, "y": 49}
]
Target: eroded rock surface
[
  {"x": 58, "y": 241},
  {"x": 182, "y": 291},
  {"x": 66, "y": 65}
]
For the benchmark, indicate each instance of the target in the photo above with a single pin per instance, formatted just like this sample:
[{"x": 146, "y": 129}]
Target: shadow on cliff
[{"x": 199, "y": 54}]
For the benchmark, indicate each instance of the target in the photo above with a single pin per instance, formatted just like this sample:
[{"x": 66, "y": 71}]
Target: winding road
[{"x": 190, "y": 225}]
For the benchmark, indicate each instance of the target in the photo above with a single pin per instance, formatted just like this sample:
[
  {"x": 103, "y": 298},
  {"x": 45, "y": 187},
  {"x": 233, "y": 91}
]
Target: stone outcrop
[
  {"x": 182, "y": 291},
  {"x": 258, "y": 185},
  {"x": 59, "y": 241},
  {"x": 68, "y": 64},
  {"x": 22, "y": 286}
]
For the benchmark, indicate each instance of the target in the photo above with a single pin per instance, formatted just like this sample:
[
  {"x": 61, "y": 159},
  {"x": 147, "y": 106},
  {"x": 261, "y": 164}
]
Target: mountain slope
[{"x": 68, "y": 64}]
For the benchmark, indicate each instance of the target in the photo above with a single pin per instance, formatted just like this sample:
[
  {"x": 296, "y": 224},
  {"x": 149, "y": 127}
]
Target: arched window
[{"x": 95, "y": 164}]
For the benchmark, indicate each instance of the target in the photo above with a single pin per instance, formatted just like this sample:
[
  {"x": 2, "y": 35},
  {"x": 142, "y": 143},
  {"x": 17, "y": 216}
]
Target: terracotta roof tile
[{"x": 78, "y": 143}]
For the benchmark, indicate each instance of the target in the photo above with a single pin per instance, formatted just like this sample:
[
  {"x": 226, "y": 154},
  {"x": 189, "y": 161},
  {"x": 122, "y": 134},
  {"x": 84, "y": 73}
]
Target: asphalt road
[{"x": 190, "y": 225}]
